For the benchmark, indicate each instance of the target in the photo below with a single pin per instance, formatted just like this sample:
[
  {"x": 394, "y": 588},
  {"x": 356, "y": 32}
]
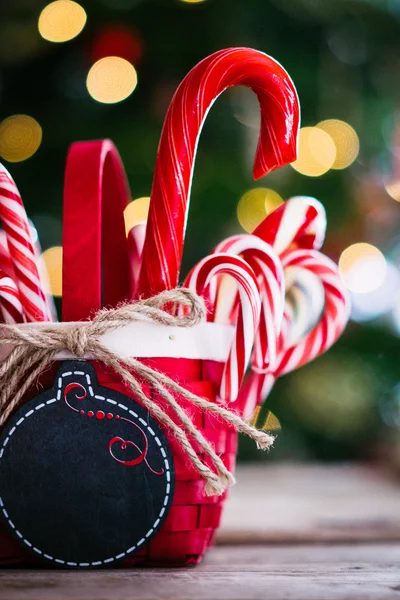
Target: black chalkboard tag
[{"x": 86, "y": 474}]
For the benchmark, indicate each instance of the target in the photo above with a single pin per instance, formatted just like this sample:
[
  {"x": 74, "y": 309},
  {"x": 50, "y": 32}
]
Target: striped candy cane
[
  {"x": 317, "y": 341},
  {"x": 268, "y": 269},
  {"x": 162, "y": 252},
  {"x": 299, "y": 222},
  {"x": 334, "y": 318},
  {"x": 305, "y": 301},
  {"x": 6, "y": 264},
  {"x": 199, "y": 280},
  {"x": 16, "y": 227},
  {"x": 10, "y": 304}
]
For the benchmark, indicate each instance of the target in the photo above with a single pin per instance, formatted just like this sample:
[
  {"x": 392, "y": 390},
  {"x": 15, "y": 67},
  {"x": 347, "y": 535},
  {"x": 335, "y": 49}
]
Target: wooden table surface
[{"x": 293, "y": 532}]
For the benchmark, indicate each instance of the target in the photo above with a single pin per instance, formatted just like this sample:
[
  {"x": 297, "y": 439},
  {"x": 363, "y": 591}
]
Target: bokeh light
[
  {"x": 345, "y": 139},
  {"x": 393, "y": 189},
  {"x": 118, "y": 40},
  {"x": 111, "y": 79},
  {"x": 136, "y": 212},
  {"x": 20, "y": 137},
  {"x": 52, "y": 262},
  {"x": 378, "y": 302},
  {"x": 363, "y": 268},
  {"x": 192, "y": 1},
  {"x": 61, "y": 21},
  {"x": 316, "y": 152},
  {"x": 255, "y": 205}
]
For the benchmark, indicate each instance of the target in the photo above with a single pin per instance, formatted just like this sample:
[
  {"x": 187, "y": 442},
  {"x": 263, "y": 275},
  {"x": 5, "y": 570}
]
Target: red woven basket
[
  {"x": 193, "y": 518},
  {"x": 93, "y": 266}
]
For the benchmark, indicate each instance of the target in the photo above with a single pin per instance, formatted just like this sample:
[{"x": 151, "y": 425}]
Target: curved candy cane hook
[
  {"x": 170, "y": 193},
  {"x": 199, "y": 280}
]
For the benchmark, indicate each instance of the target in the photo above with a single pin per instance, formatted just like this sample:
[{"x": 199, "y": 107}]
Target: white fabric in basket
[{"x": 207, "y": 341}]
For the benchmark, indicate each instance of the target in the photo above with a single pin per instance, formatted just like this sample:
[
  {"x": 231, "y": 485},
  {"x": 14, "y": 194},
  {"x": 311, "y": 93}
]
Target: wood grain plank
[
  {"x": 311, "y": 503},
  {"x": 300, "y": 572}
]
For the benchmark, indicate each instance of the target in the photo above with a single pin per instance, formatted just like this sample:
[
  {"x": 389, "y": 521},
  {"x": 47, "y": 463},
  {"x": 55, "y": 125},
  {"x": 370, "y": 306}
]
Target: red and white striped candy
[
  {"x": 136, "y": 236},
  {"x": 10, "y": 305},
  {"x": 6, "y": 265},
  {"x": 334, "y": 318},
  {"x": 162, "y": 252},
  {"x": 325, "y": 333},
  {"x": 199, "y": 280},
  {"x": 269, "y": 271},
  {"x": 305, "y": 301},
  {"x": 20, "y": 246},
  {"x": 299, "y": 222}
]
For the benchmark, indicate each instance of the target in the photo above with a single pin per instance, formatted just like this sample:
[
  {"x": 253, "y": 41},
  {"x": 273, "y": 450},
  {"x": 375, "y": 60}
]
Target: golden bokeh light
[
  {"x": 111, "y": 79},
  {"x": 345, "y": 139},
  {"x": 52, "y": 262},
  {"x": 192, "y": 1},
  {"x": 136, "y": 212},
  {"x": 316, "y": 152},
  {"x": 255, "y": 205},
  {"x": 61, "y": 21},
  {"x": 393, "y": 189},
  {"x": 362, "y": 267},
  {"x": 20, "y": 137}
]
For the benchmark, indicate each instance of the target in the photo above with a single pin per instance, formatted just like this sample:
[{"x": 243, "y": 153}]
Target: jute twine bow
[{"x": 35, "y": 348}]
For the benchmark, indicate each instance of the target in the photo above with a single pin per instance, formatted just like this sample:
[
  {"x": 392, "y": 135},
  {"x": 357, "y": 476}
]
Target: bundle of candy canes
[{"x": 288, "y": 303}]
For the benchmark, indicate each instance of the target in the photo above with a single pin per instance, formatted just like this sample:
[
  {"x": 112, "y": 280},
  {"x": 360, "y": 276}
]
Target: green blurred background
[{"x": 344, "y": 58}]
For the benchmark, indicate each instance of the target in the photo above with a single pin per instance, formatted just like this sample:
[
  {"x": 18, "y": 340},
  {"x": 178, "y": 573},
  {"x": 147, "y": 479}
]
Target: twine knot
[
  {"x": 34, "y": 348},
  {"x": 77, "y": 341}
]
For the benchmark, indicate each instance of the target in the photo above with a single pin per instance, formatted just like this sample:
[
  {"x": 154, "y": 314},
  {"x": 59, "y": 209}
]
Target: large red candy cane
[
  {"x": 170, "y": 193},
  {"x": 333, "y": 321},
  {"x": 21, "y": 248},
  {"x": 199, "y": 280}
]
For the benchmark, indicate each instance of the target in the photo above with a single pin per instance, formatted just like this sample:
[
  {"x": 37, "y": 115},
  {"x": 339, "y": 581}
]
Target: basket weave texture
[{"x": 193, "y": 517}]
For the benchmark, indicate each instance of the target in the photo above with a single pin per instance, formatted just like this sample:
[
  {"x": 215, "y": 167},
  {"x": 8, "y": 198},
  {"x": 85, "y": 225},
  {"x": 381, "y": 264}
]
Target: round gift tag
[{"x": 86, "y": 474}]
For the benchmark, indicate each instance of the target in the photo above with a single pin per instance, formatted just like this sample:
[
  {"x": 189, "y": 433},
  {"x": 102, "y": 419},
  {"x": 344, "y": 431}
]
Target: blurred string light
[
  {"x": 136, "y": 212},
  {"x": 316, "y": 152},
  {"x": 393, "y": 189},
  {"x": 117, "y": 40},
  {"x": 378, "y": 302},
  {"x": 20, "y": 137},
  {"x": 61, "y": 21},
  {"x": 363, "y": 268},
  {"x": 52, "y": 262},
  {"x": 255, "y": 205},
  {"x": 192, "y": 1},
  {"x": 111, "y": 80},
  {"x": 345, "y": 139}
]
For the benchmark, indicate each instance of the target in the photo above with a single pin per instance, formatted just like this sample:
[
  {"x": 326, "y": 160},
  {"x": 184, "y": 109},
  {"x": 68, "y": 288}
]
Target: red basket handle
[{"x": 95, "y": 251}]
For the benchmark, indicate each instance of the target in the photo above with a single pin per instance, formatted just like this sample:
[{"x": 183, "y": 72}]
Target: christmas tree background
[{"x": 344, "y": 58}]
